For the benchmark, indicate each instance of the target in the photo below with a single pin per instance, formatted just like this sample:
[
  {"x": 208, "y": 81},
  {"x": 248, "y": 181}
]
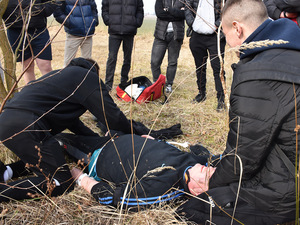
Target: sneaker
[
  {"x": 168, "y": 89},
  {"x": 200, "y": 97},
  {"x": 220, "y": 106}
]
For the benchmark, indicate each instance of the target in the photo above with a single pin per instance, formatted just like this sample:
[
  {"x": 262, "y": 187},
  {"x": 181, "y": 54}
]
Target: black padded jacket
[
  {"x": 173, "y": 13},
  {"x": 123, "y": 17},
  {"x": 264, "y": 102}
]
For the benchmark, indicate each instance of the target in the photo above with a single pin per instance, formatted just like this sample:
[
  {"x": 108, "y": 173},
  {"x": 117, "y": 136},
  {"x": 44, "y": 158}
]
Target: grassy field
[{"x": 200, "y": 124}]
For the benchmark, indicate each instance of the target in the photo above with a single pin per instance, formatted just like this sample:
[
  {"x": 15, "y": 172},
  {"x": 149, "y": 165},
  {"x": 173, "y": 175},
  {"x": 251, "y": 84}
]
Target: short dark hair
[{"x": 251, "y": 11}]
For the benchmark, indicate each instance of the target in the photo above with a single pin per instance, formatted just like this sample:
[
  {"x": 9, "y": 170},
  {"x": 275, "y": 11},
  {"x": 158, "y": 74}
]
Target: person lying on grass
[{"x": 135, "y": 171}]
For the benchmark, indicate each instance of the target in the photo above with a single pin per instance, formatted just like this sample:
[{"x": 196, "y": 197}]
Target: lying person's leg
[
  {"x": 31, "y": 187},
  {"x": 13, "y": 170},
  {"x": 37, "y": 148}
]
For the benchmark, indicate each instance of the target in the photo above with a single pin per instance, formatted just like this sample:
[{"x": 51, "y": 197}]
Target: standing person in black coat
[
  {"x": 203, "y": 19},
  {"x": 122, "y": 18},
  {"x": 169, "y": 35},
  {"x": 284, "y": 9},
  {"x": 37, "y": 36},
  {"x": 46, "y": 107},
  {"x": 261, "y": 148}
]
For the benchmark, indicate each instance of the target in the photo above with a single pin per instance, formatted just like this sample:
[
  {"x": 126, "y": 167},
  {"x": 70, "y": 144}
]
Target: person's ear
[{"x": 237, "y": 29}]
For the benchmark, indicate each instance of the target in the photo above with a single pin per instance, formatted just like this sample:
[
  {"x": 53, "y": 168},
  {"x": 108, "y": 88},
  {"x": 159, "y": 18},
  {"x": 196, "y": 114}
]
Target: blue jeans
[
  {"x": 158, "y": 53},
  {"x": 113, "y": 47}
]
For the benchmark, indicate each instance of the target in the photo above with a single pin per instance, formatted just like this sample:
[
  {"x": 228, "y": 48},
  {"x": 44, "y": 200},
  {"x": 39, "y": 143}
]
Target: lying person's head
[
  {"x": 199, "y": 176},
  {"x": 240, "y": 18}
]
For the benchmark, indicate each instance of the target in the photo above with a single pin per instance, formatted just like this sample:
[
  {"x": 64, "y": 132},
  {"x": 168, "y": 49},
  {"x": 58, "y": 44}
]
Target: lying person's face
[{"x": 199, "y": 177}]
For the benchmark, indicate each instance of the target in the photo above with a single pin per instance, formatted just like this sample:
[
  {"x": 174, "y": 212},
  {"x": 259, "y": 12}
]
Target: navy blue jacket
[
  {"x": 123, "y": 17},
  {"x": 83, "y": 19}
]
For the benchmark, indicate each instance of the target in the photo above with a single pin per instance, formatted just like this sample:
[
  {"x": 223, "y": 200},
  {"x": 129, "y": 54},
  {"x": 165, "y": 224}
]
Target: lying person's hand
[
  {"x": 76, "y": 173},
  {"x": 147, "y": 136},
  {"x": 199, "y": 178},
  {"x": 83, "y": 180}
]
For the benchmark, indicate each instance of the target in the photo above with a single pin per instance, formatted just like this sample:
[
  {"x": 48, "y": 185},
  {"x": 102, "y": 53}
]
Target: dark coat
[
  {"x": 174, "y": 14},
  {"x": 40, "y": 10},
  {"x": 159, "y": 172},
  {"x": 83, "y": 19},
  {"x": 262, "y": 115},
  {"x": 60, "y": 98},
  {"x": 123, "y": 17}
]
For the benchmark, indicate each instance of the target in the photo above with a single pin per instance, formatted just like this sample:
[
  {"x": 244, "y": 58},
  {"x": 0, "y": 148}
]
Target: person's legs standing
[
  {"x": 157, "y": 55},
  {"x": 29, "y": 70},
  {"x": 86, "y": 47},
  {"x": 44, "y": 65},
  {"x": 173, "y": 54},
  {"x": 72, "y": 44},
  {"x": 1, "y": 72},
  {"x": 215, "y": 64},
  {"x": 23, "y": 53},
  {"x": 199, "y": 51},
  {"x": 39, "y": 42},
  {"x": 114, "y": 43},
  {"x": 127, "y": 49}
]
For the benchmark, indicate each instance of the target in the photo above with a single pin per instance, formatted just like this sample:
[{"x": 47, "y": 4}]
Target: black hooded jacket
[
  {"x": 264, "y": 93},
  {"x": 62, "y": 96}
]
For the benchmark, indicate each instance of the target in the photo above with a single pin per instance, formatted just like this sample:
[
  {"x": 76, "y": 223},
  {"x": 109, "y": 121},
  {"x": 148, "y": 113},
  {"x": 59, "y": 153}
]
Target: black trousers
[
  {"x": 222, "y": 200},
  {"x": 113, "y": 47},
  {"x": 38, "y": 148},
  {"x": 159, "y": 49},
  {"x": 200, "y": 46}
]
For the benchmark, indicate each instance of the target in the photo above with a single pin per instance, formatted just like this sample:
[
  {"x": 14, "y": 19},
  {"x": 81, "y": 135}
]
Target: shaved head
[
  {"x": 240, "y": 18},
  {"x": 250, "y": 12}
]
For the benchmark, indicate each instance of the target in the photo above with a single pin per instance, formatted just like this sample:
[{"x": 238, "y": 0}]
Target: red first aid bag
[{"x": 141, "y": 89}]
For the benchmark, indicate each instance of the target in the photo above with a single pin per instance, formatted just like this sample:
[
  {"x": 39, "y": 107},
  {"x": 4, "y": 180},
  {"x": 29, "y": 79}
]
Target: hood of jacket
[
  {"x": 282, "y": 29},
  {"x": 84, "y": 63}
]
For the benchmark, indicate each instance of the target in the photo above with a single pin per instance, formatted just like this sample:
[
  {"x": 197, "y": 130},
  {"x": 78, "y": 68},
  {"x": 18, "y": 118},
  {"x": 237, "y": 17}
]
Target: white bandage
[{"x": 80, "y": 178}]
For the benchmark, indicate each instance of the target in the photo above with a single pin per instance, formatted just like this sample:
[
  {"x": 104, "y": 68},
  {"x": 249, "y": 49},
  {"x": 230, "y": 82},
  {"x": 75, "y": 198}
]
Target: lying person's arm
[{"x": 83, "y": 179}]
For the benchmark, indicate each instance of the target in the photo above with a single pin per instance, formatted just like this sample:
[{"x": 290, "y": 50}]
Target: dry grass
[{"x": 200, "y": 123}]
